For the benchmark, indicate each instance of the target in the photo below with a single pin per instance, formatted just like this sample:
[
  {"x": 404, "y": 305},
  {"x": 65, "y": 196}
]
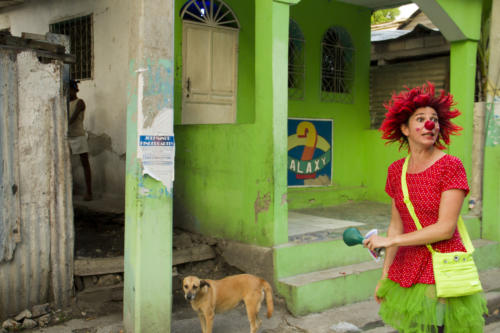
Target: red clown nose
[{"x": 429, "y": 125}]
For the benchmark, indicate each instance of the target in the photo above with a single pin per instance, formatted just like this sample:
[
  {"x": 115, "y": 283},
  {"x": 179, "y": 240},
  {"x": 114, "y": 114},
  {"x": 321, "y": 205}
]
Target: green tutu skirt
[{"x": 418, "y": 310}]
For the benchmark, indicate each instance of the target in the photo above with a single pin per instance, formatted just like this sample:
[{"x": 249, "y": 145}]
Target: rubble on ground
[
  {"x": 24, "y": 314},
  {"x": 11, "y": 325},
  {"x": 40, "y": 315},
  {"x": 215, "y": 268},
  {"x": 29, "y": 323}
]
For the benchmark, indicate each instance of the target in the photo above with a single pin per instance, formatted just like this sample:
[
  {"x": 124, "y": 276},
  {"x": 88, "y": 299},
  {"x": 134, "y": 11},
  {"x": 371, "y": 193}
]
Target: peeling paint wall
[
  {"x": 105, "y": 94},
  {"x": 41, "y": 268}
]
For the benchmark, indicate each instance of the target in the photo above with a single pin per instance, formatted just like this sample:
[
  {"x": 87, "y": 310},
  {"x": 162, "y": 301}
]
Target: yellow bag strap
[{"x": 462, "y": 230}]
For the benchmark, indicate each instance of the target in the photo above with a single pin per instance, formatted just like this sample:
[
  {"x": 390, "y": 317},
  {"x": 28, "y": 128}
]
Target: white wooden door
[{"x": 209, "y": 80}]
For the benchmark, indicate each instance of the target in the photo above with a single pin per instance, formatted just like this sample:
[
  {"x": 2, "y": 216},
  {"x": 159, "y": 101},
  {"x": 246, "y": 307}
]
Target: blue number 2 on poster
[{"x": 309, "y": 152}]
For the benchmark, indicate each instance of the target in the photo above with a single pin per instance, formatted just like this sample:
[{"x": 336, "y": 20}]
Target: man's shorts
[{"x": 78, "y": 145}]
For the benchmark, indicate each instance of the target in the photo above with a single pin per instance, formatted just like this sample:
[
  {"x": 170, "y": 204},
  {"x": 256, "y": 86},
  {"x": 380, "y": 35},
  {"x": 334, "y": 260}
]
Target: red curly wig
[{"x": 402, "y": 106}]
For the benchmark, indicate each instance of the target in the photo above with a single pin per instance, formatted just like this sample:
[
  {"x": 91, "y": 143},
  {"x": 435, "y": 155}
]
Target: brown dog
[{"x": 209, "y": 297}]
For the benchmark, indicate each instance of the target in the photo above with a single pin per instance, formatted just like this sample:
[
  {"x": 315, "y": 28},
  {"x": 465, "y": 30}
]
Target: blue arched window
[
  {"x": 337, "y": 66},
  {"x": 296, "y": 64},
  {"x": 214, "y": 13}
]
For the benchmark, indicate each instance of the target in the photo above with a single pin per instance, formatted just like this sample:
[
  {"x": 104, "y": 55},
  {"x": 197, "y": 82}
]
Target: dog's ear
[{"x": 204, "y": 283}]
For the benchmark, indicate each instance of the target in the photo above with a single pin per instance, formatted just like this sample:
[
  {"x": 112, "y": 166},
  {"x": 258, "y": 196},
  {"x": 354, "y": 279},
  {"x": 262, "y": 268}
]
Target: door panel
[
  {"x": 223, "y": 61},
  {"x": 197, "y": 66},
  {"x": 209, "y": 74}
]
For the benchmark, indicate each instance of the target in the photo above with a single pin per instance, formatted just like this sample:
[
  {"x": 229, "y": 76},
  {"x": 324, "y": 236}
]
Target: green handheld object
[{"x": 352, "y": 237}]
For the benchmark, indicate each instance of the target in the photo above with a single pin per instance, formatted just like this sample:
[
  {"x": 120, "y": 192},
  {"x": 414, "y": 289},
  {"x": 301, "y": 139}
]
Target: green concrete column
[
  {"x": 148, "y": 213},
  {"x": 491, "y": 179},
  {"x": 462, "y": 87},
  {"x": 271, "y": 91},
  {"x": 460, "y": 23}
]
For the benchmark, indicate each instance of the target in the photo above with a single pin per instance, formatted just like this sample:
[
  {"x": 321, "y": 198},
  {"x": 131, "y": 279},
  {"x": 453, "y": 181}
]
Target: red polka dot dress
[
  {"x": 409, "y": 301},
  {"x": 413, "y": 264}
]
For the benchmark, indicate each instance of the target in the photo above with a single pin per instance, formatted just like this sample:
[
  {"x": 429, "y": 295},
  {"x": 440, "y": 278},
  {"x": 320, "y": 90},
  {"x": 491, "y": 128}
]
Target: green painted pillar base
[
  {"x": 147, "y": 301},
  {"x": 491, "y": 180}
]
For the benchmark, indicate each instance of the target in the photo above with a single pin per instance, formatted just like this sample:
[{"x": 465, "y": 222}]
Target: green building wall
[
  {"x": 225, "y": 178},
  {"x": 349, "y": 120},
  {"x": 226, "y": 181},
  {"x": 378, "y": 156}
]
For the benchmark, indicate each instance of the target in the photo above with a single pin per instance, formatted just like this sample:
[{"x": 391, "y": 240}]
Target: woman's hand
[{"x": 376, "y": 241}]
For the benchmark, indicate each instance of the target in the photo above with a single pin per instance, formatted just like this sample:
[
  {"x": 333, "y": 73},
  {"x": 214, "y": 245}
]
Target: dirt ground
[
  {"x": 101, "y": 235},
  {"x": 98, "y": 235}
]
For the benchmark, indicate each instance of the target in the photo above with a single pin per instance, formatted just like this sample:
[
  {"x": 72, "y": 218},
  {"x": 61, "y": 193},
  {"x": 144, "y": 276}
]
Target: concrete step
[
  {"x": 323, "y": 289},
  {"x": 364, "y": 315},
  {"x": 492, "y": 322},
  {"x": 291, "y": 258},
  {"x": 486, "y": 254}
]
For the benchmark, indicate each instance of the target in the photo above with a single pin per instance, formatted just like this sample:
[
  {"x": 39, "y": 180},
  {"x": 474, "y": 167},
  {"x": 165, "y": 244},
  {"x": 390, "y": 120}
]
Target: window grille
[
  {"x": 296, "y": 64},
  {"x": 337, "y": 68},
  {"x": 80, "y": 32},
  {"x": 214, "y": 13}
]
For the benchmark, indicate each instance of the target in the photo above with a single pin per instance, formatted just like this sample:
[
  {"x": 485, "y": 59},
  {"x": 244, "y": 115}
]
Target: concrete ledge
[
  {"x": 487, "y": 254},
  {"x": 251, "y": 259},
  {"x": 333, "y": 273}
]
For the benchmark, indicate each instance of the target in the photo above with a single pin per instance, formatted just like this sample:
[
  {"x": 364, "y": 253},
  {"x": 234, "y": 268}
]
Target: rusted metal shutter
[
  {"x": 385, "y": 80},
  {"x": 41, "y": 269}
]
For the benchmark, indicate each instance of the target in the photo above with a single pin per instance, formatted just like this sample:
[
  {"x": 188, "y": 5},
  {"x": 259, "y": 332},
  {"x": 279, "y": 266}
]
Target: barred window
[
  {"x": 337, "y": 68},
  {"x": 296, "y": 65},
  {"x": 80, "y": 32}
]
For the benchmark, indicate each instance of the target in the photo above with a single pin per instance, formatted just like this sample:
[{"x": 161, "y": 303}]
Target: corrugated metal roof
[
  {"x": 384, "y": 35},
  {"x": 381, "y": 35}
]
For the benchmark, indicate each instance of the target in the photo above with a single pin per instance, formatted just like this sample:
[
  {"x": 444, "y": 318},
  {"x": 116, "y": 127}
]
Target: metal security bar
[
  {"x": 296, "y": 64},
  {"x": 215, "y": 13},
  {"x": 80, "y": 32},
  {"x": 337, "y": 67}
]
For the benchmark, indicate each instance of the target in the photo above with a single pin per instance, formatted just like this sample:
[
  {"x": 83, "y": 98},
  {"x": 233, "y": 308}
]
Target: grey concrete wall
[{"x": 105, "y": 94}]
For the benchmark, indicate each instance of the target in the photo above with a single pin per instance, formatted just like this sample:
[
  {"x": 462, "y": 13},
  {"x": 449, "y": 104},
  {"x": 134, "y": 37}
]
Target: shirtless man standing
[{"x": 76, "y": 135}]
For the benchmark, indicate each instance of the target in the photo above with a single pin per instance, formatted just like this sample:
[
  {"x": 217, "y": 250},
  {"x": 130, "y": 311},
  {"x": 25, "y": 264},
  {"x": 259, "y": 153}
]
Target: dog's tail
[{"x": 269, "y": 298}]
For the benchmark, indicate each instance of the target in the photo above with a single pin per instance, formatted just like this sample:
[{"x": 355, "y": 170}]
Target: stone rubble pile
[{"x": 40, "y": 315}]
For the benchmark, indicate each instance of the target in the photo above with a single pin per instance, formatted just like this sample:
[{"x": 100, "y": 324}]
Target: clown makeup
[{"x": 422, "y": 127}]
